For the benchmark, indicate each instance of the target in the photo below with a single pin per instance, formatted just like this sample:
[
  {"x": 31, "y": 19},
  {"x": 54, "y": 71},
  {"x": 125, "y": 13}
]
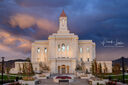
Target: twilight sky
[{"x": 23, "y": 21}]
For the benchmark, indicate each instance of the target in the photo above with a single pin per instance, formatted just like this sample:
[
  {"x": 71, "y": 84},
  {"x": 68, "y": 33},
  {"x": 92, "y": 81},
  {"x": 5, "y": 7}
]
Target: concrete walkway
[{"x": 76, "y": 82}]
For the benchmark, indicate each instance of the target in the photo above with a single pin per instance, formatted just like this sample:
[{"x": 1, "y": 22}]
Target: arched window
[
  {"x": 59, "y": 48},
  {"x": 63, "y": 47},
  {"x": 45, "y": 50},
  {"x": 38, "y": 50},
  {"x": 67, "y": 47}
]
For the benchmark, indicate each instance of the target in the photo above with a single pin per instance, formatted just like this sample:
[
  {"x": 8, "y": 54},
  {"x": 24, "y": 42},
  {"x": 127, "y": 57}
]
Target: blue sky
[{"x": 23, "y": 21}]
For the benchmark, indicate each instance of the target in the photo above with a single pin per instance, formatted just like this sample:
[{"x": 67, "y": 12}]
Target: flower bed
[
  {"x": 57, "y": 78},
  {"x": 28, "y": 78},
  {"x": 63, "y": 77}
]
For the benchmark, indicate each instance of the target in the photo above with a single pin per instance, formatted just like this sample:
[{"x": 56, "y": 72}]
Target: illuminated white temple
[{"x": 62, "y": 51}]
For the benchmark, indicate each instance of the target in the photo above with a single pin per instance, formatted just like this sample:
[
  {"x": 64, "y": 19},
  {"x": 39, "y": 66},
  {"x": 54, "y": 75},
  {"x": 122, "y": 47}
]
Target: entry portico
[{"x": 63, "y": 65}]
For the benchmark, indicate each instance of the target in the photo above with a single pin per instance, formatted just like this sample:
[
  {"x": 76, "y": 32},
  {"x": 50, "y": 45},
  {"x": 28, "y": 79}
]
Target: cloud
[
  {"x": 15, "y": 43},
  {"x": 46, "y": 3},
  {"x": 25, "y": 21},
  {"x": 42, "y": 23},
  {"x": 22, "y": 20}
]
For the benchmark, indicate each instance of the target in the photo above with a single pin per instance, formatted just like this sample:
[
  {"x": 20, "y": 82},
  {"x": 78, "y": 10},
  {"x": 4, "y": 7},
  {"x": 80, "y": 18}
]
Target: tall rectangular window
[
  {"x": 88, "y": 49},
  {"x": 63, "y": 47},
  {"x": 59, "y": 48},
  {"x": 45, "y": 50},
  {"x": 68, "y": 48},
  {"x": 38, "y": 50},
  {"x": 81, "y": 50}
]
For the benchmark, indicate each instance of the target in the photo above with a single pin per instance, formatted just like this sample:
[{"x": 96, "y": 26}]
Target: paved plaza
[{"x": 76, "y": 82}]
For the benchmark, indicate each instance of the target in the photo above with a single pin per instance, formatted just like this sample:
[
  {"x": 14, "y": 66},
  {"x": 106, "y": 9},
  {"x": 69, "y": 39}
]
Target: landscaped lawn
[
  {"x": 13, "y": 76},
  {"x": 119, "y": 77},
  {"x": 8, "y": 77},
  {"x": 114, "y": 77}
]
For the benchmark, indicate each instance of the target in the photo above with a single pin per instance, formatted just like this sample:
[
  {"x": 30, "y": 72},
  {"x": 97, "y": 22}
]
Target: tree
[
  {"x": 78, "y": 67},
  {"x": 95, "y": 67},
  {"x": 8, "y": 70},
  {"x": 105, "y": 68},
  {"x": 43, "y": 67},
  {"x": 0, "y": 68},
  {"x": 116, "y": 68},
  {"x": 23, "y": 69},
  {"x": 20, "y": 70},
  {"x": 30, "y": 69},
  {"x": 92, "y": 67},
  {"x": 83, "y": 66},
  {"x": 100, "y": 68},
  {"x": 28, "y": 59}
]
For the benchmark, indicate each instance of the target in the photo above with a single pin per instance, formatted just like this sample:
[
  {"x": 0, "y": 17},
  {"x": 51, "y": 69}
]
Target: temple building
[{"x": 62, "y": 51}]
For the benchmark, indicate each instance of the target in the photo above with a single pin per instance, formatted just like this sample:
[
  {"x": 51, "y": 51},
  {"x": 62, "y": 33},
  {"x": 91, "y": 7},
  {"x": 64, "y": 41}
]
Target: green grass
[
  {"x": 13, "y": 76},
  {"x": 113, "y": 77},
  {"x": 119, "y": 77},
  {"x": 22, "y": 75},
  {"x": 8, "y": 77}
]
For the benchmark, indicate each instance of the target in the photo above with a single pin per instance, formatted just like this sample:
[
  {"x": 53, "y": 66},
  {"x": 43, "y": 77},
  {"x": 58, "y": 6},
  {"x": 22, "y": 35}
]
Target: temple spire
[{"x": 63, "y": 14}]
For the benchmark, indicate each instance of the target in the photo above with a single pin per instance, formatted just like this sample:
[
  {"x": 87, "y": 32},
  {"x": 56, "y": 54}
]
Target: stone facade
[
  {"x": 19, "y": 67},
  {"x": 62, "y": 51}
]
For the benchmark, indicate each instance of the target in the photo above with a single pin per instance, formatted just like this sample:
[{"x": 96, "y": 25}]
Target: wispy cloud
[
  {"x": 15, "y": 43},
  {"x": 25, "y": 21}
]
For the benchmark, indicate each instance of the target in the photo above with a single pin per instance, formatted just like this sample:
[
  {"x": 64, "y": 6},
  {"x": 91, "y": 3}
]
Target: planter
[
  {"x": 84, "y": 77},
  {"x": 27, "y": 82},
  {"x": 42, "y": 77},
  {"x": 57, "y": 78},
  {"x": 100, "y": 82}
]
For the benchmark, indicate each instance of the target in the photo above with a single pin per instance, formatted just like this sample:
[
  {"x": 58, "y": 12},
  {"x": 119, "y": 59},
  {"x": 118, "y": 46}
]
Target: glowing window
[
  {"x": 58, "y": 47},
  {"x": 68, "y": 48},
  {"x": 45, "y": 50},
  {"x": 87, "y": 49},
  {"x": 38, "y": 50},
  {"x": 81, "y": 50},
  {"x": 63, "y": 47}
]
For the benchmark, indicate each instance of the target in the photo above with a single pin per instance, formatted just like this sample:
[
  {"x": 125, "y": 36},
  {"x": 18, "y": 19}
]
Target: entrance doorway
[{"x": 63, "y": 69}]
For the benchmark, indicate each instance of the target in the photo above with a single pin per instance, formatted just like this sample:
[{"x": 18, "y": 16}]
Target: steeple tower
[{"x": 63, "y": 28}]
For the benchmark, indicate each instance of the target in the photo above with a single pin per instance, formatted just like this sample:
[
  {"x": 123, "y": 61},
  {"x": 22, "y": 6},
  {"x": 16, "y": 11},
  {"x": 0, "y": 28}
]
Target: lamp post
[
  {"x": 123, "y": 71},
  {"x": 2, "y": 70}
]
